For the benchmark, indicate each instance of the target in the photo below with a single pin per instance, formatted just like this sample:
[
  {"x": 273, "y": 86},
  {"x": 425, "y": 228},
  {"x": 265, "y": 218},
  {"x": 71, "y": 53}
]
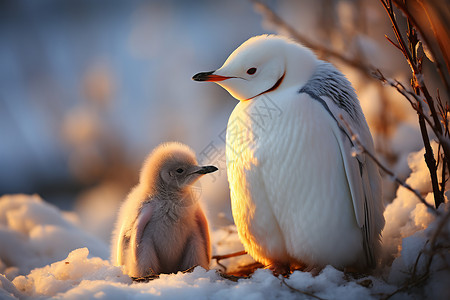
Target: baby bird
[{"x": 161, "y": 227}]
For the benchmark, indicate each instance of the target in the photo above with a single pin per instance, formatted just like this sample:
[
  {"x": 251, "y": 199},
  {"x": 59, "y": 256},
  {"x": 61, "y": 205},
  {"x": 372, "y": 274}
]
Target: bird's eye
[
  {"x": 179, "y": 170},
  {"x": 251, "y": 71}
]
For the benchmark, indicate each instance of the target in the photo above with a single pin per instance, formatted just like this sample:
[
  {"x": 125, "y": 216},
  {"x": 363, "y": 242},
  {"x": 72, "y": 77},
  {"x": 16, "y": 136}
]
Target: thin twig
[
  {"x": 404, "y": 9},
  {"x": 408, "y": 285},
  {"x": 283, "y": 280},
  {"x": 273, "y": 18},
  {"x": 419, "y": 86},
  {"x": 218, "y": 258},
  {"x": 234, "y": 254},
  {"x": 407, "y": 94},
  {"x": 434, "y": 249},
  {"x": 387, "y": 4},
  {"x": 415, "y": 103},
  {"x": 385, "y": 169},
  {"x": 392, "y": 42}
]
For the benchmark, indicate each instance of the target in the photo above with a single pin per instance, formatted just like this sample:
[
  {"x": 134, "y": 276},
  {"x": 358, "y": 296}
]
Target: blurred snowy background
[{"x": 88, "y": 88}]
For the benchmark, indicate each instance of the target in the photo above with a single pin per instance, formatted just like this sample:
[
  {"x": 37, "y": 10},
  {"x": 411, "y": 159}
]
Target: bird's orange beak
[{"x": 209, "y": 76}]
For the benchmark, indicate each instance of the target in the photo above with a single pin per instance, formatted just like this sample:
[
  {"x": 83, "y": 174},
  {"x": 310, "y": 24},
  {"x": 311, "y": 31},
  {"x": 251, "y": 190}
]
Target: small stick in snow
[
  {"x": 220, "y": 257},
  {"x": 435, "y": 248},
  {"x": 283, "y": 280}
]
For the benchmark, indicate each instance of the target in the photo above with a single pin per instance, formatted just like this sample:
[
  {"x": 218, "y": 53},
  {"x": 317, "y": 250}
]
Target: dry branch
[
  {"x": 404, "y": 9},
  {"x": 283, "y": 280},
  {"x": 434, "y": 249},
  {"x": 234, "y": 254},
  {"x": 218, "y": 258},
  {"x": 409, "y": 50},
  {"x": 415, "y": 100},
  {"x": 270, "y": 16},
  {"x": 363, "y": 149}
]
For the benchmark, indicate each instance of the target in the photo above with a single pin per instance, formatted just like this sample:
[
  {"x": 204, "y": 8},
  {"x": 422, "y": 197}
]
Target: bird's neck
[
  {"x": 177, "y": 198},
  {"x": 301, "y": 63}
]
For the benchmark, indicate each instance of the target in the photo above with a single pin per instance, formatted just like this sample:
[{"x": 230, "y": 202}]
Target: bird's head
[
  {"x": 173, "y": 167},
  {"x": 261, "y": 65}
]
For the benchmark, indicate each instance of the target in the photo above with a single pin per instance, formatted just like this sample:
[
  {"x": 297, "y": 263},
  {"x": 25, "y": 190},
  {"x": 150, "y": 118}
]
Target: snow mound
[
  {"x": 80, "y": 277},
  {"x": 8, "y": 290},
  {"x": 34, "y": 233},
  {"x": 409, "y": 231},
  {"x": 64, "y": 275},
  {"x": 426, "y": 254},
  {"x": 406, "y": 214}
]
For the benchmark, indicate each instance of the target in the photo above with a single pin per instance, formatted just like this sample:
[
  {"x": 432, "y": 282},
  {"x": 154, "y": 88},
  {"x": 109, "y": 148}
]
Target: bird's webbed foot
[{"x": 279, "y": 268}]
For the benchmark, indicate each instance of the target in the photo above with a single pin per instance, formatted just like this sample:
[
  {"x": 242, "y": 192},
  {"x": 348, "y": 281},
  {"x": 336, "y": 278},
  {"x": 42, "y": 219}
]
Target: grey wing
[{"x": 363, "y": 178}]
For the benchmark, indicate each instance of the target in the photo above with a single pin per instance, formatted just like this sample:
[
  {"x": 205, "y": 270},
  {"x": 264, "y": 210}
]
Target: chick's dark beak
[
  {"x": 209, "y": 76},
  {"x": 206, "y": 170}
]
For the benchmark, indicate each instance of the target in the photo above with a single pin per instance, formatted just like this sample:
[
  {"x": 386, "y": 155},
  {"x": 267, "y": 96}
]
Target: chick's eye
[
  {"x": 251, "y": 71},
  {"x": 179, "y": 170}
]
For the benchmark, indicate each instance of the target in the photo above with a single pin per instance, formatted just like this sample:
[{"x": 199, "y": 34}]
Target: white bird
[
  {"x": 301, "y": 196},
  {"x": 161, "y": 227}
]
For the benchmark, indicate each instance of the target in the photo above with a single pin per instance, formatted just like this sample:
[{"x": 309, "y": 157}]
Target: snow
[
  {"x": 437, "y": 286},
  {"x": 45, "y": 253},
  {"x": 61, "y": 276},
  {"x": 34, "y": 233},
  {"x": 81, "y": 277},
  {"x": 406, "y": 215}
]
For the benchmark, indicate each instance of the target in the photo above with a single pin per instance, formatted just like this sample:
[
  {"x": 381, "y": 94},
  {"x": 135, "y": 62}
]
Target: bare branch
[
  {"x": 401, "y": 6},
  {"x": 415, "y": 102},
  {"x": 234, "y": 254},
  {"x": 408, "y": 95},
  {"x": 394, "y": 44},
  {"x": 273, "y": 18},
  {"x": 417, "y": 74},
  {"x": 408, "y": 285},
  {"x": 218, "y": 258},
  {"x": 382, "y": 167},
  {"x": 387, "y": 4}
]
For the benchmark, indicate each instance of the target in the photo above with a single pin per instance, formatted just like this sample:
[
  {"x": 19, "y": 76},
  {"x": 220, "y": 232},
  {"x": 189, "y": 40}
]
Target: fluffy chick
[{"x": 161, "y": 227}]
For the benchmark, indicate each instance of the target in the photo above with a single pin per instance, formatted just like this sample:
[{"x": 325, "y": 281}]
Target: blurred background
[{"x": 88, "y": 88}]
